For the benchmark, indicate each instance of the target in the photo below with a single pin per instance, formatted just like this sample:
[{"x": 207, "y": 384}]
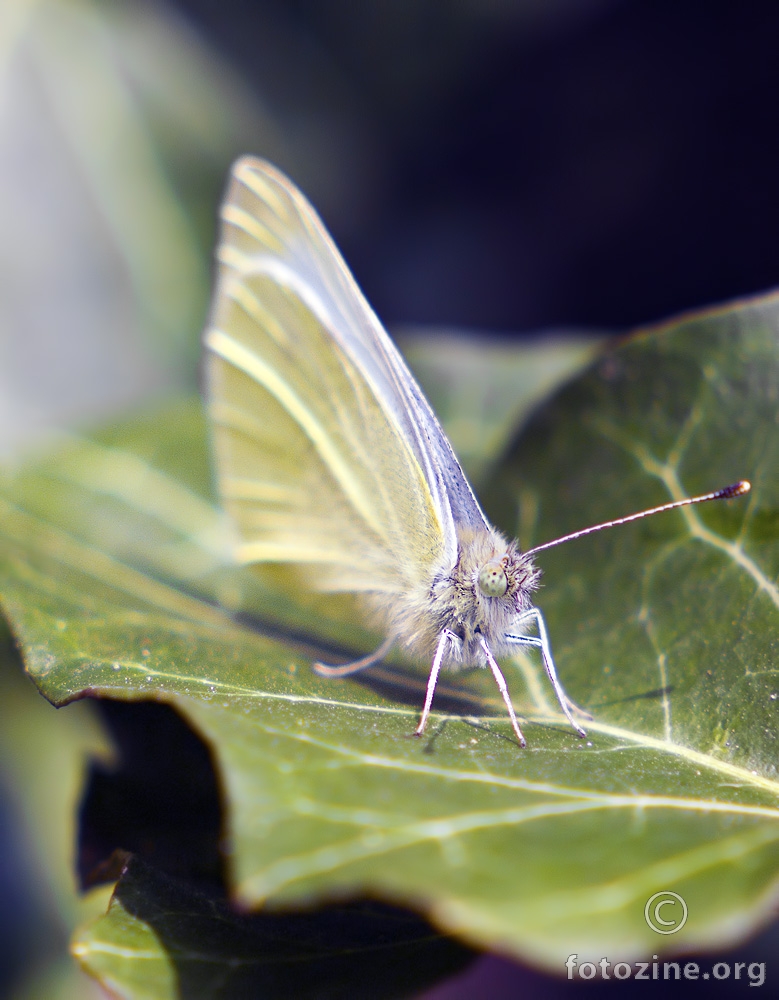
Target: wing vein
[{"x": 227, "y": 348}]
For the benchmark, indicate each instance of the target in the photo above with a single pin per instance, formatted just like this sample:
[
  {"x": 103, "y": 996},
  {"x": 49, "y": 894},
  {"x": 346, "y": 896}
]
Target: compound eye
[{"x": 492, "y": 579}]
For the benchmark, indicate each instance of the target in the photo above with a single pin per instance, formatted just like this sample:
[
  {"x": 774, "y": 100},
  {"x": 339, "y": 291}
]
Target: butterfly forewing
[
  {"x": 265, "y": 213},
  {"x": 314, "y": 458}
]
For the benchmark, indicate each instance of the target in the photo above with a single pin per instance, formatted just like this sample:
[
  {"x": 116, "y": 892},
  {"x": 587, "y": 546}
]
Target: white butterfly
[{"x": 329, "y": 456}]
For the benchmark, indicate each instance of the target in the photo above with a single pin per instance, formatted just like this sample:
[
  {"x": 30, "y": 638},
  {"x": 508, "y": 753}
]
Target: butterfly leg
[
  {"x": 500, "y": 680},
  {"x": 542, "y": 642},
  {"x": 443, "y": 641},
  {"x": 345, "y": 669}
]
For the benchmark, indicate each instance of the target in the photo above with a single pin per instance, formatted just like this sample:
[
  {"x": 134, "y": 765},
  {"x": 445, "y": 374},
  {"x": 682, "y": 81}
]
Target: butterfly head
[
  {"x": 494, "y": 571},
  {"x": 491, "y": 583}
]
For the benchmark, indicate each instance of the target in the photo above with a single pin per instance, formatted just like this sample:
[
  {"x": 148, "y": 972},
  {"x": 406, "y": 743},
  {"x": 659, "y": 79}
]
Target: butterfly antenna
[{"x": 735, "y": 490}]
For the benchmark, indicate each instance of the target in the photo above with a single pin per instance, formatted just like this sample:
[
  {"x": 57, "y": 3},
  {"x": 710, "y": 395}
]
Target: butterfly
[{"x": 330, "y": 459}]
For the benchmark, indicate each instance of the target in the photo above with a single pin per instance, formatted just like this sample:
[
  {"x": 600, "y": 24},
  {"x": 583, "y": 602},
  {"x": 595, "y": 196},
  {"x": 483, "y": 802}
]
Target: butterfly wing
[{"x": 327, "y": 452}]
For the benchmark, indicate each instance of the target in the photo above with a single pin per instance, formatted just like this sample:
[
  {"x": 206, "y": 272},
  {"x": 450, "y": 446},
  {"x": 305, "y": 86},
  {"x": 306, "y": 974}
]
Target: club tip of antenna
[{"x": 737, "y": 489}]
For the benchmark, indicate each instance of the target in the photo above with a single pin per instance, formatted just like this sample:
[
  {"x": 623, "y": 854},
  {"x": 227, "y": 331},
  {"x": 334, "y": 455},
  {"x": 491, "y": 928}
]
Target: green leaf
[
  {"x": 669, "y": 625},
  {"x": 115, "y": 579},
  {"x": 43, "y": 756},
  {"x": 160, "y": 938}
]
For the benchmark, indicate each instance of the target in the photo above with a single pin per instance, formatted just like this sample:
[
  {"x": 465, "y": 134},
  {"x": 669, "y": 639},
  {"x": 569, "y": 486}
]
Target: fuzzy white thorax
[{"x": 453, "y": 600}]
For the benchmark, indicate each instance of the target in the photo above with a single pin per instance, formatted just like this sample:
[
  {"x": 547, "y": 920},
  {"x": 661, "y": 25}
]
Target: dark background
[{"x": 515, "y": 166}]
